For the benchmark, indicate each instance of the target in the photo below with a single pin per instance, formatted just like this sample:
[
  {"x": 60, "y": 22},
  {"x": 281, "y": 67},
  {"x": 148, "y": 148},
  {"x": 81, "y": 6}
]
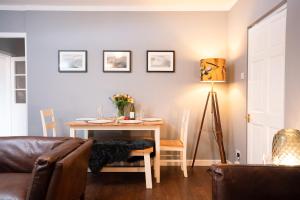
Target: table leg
[
  {"x": 154, "y": 160},
  {"x": 154, "y": 167},
  {"x": 72, "y": 132},
  {"x": 157, "y": 155}
]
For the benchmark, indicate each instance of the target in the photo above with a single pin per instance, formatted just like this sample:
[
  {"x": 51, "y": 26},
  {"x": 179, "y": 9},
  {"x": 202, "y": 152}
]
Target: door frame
[
  {"x": 282, "y": 4},
  {"x": 24, "y": 36},
  {"x": 8, "y": 82}
]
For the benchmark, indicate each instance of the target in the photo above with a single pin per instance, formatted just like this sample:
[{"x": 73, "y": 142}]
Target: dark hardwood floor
[{"x": 131, "y": 186}]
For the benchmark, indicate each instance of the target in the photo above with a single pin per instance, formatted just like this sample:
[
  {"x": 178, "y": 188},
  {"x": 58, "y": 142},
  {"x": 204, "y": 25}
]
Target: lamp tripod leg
[
  {"x": 219, "y": 133},
  {"x": 201, "y": 126}
]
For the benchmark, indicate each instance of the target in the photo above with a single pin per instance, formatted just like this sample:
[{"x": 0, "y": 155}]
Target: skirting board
[
  {"x": 189, "y": 163},
  {"x": 119, "y": 168}
]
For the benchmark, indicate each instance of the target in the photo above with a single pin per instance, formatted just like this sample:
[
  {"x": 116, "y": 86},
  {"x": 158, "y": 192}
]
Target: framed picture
[
  {"x": 160, "y": 61},
  {"x": 72, "y": 61},
  {"x": 116, "y": 61}
]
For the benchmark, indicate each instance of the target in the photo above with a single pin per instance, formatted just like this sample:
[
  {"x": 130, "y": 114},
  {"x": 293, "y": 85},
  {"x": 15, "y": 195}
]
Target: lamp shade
[
  {"x": 286, "y": 147},
  {"x": 213, "y": 70}
]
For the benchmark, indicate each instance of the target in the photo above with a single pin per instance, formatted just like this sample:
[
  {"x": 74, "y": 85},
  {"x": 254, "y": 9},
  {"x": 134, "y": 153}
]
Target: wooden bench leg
[
  {"x": 154, "y": 167},
  {"x": 148, "y": 176},
  {"x": 86, "y": 134}
]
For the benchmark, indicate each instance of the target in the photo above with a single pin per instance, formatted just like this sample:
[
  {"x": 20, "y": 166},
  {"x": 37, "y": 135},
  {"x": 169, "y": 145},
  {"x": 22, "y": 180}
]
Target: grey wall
[
  {"x": 13, "y": 46},
  {"x": 193, "y": 35},
  {"x": 240, "y": 17}
]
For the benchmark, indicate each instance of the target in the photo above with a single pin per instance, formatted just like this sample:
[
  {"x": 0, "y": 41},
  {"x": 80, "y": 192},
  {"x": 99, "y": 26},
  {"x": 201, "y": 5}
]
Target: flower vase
[{"x": 121, "y": 111}]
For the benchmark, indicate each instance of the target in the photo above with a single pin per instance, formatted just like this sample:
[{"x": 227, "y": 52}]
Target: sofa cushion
[
  {"x": 255, "y": 182},
  {"x": 18, "y": 154},
  {"x": 44, "y": 167},
  {"x": 14, "y": 185}
]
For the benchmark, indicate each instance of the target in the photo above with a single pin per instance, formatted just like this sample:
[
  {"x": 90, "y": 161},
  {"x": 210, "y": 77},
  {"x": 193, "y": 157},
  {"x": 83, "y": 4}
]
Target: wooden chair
[
  {"x": 179, "y": 145},
  {"x": 147, "y": 166},
  {"x": 48, "y": 113}
]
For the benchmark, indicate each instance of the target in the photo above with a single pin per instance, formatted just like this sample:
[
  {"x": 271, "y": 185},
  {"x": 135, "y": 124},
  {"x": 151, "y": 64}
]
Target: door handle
[{"x": 248, "y": 118}]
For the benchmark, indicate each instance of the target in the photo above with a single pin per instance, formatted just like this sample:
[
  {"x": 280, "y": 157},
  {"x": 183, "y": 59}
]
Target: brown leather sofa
[
  {"x": 255, "y": 182},
  {"x": 37, "y": 168}
]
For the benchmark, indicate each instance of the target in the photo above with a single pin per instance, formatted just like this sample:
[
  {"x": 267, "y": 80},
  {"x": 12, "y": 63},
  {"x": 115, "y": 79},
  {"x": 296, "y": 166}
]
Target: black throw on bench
[{"x": 107, "y": 152}]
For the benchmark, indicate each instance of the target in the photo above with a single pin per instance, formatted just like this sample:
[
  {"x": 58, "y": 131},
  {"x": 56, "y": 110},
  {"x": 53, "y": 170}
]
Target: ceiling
[{"x": 119, "y": 5}]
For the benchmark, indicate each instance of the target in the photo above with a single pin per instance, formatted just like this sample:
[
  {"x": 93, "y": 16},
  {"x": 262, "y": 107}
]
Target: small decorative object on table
[
  {"x": 286, "y": 147},
  {"x": 132, "y": 112},
  {"x": 121, "y": 101}
]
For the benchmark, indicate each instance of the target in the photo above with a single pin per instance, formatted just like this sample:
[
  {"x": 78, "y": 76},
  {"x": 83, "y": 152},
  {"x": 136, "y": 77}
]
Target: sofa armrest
[
  {"x": 248, "y": 182},
  {"x": 70, "y": 174},
  {"x": 44, "y": 167}
]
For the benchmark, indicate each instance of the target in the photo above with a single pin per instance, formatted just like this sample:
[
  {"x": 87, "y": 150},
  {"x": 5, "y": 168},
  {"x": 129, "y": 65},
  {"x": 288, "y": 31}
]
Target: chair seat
[{"x": 170, "y": 144}]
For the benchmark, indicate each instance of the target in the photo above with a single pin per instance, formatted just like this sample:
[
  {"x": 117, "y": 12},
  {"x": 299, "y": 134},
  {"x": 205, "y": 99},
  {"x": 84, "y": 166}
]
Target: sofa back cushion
[
  {"x": 18, "y": 154},
  {"x": 44, "y": 166}
]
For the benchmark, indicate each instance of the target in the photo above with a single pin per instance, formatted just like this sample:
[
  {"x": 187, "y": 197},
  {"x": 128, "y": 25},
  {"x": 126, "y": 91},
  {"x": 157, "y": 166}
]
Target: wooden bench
[{"x": 147, "y": 166}]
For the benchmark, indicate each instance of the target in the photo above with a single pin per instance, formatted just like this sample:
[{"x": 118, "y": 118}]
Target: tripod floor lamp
[{"x": 213, "y": 70}]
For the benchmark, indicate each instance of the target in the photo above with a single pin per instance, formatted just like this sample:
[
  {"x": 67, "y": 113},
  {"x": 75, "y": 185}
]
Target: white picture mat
[
  {"x": 168, "y": 55},
  {"x": 109, "y": 67},
  {"x": 66, "y": 56}
]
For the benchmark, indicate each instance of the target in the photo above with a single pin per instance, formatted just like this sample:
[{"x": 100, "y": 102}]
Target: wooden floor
[{"x": 131, "y": 186}]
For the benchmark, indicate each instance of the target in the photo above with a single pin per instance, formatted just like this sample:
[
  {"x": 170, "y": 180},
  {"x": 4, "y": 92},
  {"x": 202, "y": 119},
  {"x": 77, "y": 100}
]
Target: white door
[
  {"x": 19, "y": 97},
  {"x": 266, "y": 77},
  {"x": 5, "y": 95}
]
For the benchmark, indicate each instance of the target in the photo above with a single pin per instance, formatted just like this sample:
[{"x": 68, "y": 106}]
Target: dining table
[{"x": 116, "y": 125}]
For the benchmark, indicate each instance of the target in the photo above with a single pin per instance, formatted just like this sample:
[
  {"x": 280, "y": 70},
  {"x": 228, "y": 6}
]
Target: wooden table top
[{"x": 84, "y": 123}]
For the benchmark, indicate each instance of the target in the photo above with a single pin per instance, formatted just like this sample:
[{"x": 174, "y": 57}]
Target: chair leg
[
  {"x": 181, "y": 158},
  {"x": 148, "y": 176},
  {"x": 184, "y": 164}
]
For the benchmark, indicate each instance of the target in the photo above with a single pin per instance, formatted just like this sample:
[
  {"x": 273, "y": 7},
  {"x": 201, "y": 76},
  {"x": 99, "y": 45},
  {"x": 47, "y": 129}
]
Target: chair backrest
[
  {"x": 184, "y": 127},
  {"x": 48, "y": 113}
]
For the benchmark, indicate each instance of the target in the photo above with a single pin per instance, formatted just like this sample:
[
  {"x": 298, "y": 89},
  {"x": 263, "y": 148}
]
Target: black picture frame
[
  {"x": 105, "y": 68},
  {"x": 148, "y": 67},
  {"x": 61, "y": 68}
]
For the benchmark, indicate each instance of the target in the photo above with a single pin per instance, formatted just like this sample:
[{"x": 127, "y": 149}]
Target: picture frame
[
  {"x": 116, "y": 61},
  {"x": 72, "y": 61},
  {"x": 161, "y": 61}
]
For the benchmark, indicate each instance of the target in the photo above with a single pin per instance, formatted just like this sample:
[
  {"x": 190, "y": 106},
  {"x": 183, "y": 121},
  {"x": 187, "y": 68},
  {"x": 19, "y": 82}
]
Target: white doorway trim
[
  {"x": 20, "y": 35},
  {"x": 12, "y": 35},
  {"x": 5, "y": 94}
]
